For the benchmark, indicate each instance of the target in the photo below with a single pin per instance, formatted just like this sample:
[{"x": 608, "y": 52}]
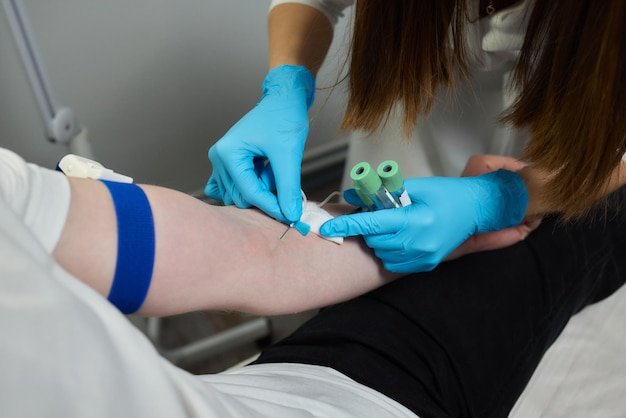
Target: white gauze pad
[{"x": 315, "y": 216}]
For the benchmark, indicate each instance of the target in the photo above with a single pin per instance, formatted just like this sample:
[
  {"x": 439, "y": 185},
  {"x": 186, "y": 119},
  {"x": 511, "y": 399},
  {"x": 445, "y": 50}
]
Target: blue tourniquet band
[{"x": 135, "y": 248}]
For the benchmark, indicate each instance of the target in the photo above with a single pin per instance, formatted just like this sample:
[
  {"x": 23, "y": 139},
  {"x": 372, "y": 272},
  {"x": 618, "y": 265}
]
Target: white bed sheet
[{"x": 584, "y": 373}]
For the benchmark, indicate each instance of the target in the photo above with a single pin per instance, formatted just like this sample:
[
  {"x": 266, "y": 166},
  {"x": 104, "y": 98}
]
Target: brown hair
[
  {"x": 570, "y": 75},
  {"x": 400, "y": 52}
]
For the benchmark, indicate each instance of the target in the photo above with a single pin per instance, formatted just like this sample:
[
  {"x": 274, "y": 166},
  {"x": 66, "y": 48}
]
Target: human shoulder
[{"x": 332, "y": 9}]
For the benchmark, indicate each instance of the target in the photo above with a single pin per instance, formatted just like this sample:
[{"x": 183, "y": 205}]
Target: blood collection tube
[
  {"x": 365, "y": 179},
  {"x": 391, "y": 177},
  {"x": 369, "y": 203}
]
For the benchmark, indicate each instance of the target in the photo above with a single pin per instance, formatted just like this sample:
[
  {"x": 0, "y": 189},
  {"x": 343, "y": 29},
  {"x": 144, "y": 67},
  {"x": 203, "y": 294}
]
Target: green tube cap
[
  {"x": 365, "y": 178},
  {"x": 389, "y": 173}
]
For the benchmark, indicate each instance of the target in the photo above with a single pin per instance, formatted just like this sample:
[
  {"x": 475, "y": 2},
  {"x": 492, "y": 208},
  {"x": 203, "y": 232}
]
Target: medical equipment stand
[
  {"x": 61, "y": 127},
  {"x": 60, "y": 122}
]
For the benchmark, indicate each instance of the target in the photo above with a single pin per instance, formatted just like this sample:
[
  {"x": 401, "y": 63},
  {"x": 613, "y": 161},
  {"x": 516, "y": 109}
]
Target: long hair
[
  {"x": 571, "y": 79},
  {"x": 401, "y": 52}
]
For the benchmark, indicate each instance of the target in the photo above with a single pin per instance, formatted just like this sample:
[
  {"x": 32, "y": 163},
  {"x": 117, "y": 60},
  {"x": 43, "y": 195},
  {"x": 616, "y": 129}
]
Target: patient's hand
[{"x": 480, "y": 164}]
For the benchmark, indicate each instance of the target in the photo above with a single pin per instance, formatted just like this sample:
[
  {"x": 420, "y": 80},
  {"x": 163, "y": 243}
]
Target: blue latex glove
[
  {"x": 445, "y": 212},
  {"x": 274, "y": 131}
]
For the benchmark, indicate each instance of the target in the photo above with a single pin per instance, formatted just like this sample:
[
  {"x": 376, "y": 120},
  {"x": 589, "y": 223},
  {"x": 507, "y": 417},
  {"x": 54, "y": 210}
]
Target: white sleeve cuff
[
  {"x": 332, "y": 9},
  {"x": 40, "y": 197}
]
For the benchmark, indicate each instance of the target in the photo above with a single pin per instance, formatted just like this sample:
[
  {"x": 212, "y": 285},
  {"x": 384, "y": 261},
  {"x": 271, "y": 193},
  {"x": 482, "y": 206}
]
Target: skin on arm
[
  {"x": 214, "y": 257},
  {"x": 298, "y": 35}
]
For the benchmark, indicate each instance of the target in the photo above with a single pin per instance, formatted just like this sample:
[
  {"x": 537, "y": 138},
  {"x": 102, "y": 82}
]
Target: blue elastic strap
[{"x": 135, "y": 248}]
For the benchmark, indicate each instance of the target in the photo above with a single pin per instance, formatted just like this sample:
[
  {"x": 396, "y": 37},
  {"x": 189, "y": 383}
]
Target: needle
[{"x": 287, "y": 230}]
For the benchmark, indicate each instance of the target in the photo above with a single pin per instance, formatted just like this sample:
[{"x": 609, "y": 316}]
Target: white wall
[{"x": 155, "y": 81}]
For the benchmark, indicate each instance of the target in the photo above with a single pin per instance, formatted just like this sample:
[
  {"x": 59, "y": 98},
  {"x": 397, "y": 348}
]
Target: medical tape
[{"x": 135, "y": 247}]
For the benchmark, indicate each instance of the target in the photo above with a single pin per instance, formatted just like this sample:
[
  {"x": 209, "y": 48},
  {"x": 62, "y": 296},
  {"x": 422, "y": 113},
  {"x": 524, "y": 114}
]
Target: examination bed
[{"x": 584, "y": 373}]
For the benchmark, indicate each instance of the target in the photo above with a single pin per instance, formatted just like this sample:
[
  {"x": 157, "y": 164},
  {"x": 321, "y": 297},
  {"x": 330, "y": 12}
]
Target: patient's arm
[{"x": 213, "y": 257}]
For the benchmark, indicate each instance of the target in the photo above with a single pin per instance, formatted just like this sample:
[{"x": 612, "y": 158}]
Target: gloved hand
[
  {"x": 275, "y": 131},
  {"x": 445, "y": 212}
]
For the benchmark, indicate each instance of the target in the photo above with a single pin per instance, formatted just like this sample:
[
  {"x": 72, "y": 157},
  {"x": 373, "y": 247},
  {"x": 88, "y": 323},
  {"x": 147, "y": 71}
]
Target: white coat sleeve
[
  {"x": 38, "y": 196},
  {"x": 332, "y": 9}
]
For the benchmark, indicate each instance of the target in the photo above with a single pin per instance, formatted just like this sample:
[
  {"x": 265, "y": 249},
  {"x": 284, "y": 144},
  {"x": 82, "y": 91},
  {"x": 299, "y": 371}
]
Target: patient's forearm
[{"x": 210, "y": 257}]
